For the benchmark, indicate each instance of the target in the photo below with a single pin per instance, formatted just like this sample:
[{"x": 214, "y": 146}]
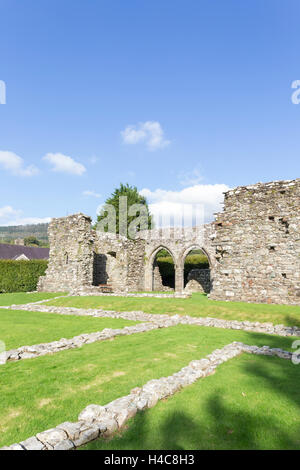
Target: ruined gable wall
[
  {"x": 257, "y": 244},
  {"x": 71, "y": 254}
]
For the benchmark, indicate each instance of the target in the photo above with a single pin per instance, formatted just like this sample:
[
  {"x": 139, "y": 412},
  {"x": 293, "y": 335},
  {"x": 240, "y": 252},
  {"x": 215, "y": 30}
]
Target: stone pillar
[{"x": 179, "y": 278}]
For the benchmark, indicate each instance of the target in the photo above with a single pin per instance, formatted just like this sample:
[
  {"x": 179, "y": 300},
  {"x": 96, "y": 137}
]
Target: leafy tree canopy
[
  {"x": 125, "y": 214},
  {"x": 31, "y": 241}
]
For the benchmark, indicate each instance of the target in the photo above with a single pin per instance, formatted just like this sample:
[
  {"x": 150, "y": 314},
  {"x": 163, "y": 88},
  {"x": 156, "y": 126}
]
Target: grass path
[
  {"x": 40, "y": 393},
  {"x": 250, "y": 402},
  {"x": 20, "y": 328},
  {"x": 196, "y": 306}
]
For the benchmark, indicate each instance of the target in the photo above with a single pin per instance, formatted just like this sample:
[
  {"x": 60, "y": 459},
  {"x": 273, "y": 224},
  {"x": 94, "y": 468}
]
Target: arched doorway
[
  {"x": 196, "y": 267},
  {"x": 163, "y": 270}
]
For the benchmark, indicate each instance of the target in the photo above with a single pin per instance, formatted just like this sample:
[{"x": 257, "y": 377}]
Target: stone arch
[
  {"x": 195, "y": 247},
  {"x": 157, "y": 250},
  {"x": 181, "y": 262},
  {"x": 150, "y": 263}
]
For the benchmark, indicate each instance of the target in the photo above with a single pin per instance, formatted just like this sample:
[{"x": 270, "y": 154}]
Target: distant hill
[{"x": 8, "y": 234}]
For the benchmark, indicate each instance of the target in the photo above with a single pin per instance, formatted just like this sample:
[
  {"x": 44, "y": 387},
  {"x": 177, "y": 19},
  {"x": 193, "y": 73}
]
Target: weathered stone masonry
[
  {"x": 253, "y": 249},
  {"x": 81, "y": 258},
  {"x": 257, "y": 244},
  {"x": 71, "y": 254}
]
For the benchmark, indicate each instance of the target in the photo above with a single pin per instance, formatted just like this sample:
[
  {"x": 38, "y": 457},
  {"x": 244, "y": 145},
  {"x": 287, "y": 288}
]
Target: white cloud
[
  {"x": 91, "y": 193},
  {"x": 190, "y": 178},
  {"x": 200, "y": 198},
  {"x": 11, "y": 216},
  {"x": 64, "y": 164},
  {"x": 14, "y": 164},
  {"x": 149, "y": 132},
  {"x": 7, "y": 212}
]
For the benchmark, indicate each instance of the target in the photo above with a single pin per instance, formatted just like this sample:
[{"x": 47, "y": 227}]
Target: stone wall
[
  {"x": 158, "y": 282},
  {"x": 135, "y": 250},
  {"x": 110, "y": 266},
  {"x": 98, "y": 421},
  {"x": 81, "y": 258},
  {"x": 179, "y": 243},
  {"x": 198, "y": 281},
  {"x": 121, "y": 262},
  {"x": 253, "y": 249},
  {"x": 71, "y": 254},
  {"x": 257, "y": 244}
]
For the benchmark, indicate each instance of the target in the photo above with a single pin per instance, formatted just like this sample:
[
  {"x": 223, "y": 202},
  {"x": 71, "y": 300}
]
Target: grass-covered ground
[
  {"x": 37, "y": 394},
  {"x": 20, "y": 328},
  {"x": 24, "y": 298},
  {"x": 198, "y": 305},
  {"x": 251, "y": 402}
]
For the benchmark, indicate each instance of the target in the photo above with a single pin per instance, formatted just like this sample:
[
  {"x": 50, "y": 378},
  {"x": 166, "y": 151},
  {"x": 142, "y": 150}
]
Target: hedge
[
  {"x": 166, "y": 267},
  {"x": 21, "y": 276}
]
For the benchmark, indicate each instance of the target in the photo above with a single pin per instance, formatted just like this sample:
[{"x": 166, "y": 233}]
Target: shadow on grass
[
  {"x": 273, "y": 341},
  {"x": 214, "y": 422},
  {"x": 292, "y": 320},
  {"x": 223, "y": 429}
]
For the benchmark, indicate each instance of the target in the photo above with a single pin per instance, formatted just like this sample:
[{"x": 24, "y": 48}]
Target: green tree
[
  {"x": 31, "y": 241},
  {"x": 124, "y": 200}
]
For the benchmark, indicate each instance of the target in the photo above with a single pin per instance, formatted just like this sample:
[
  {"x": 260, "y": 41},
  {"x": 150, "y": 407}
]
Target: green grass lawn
[
  {"x": 251, "y": 402},
  {"x": 20, "y": 328},
  {"x": 37, "y": 394},
  {"x": 198, "y": 305},
  {"x": 24, "y": 298}
]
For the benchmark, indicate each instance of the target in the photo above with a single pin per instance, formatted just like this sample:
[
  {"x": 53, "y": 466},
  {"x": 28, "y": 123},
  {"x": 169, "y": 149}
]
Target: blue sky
[{"x": 182, "y": 98}]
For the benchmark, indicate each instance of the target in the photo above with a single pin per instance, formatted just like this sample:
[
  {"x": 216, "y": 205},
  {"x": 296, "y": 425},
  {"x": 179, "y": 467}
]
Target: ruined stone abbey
[{"x": 253, "y": 248}]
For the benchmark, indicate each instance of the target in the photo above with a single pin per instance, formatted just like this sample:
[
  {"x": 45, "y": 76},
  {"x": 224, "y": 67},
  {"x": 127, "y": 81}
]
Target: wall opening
[
  {"x": 163, "y": 271},
  {"x": 197, "y": 276},
  {"x": 100, "y": 275}
]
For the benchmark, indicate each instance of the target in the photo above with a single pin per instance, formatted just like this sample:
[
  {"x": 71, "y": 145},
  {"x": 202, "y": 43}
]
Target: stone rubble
[
  {"x": 36, "y": 350},
  {"x": 103, "y": 421},
  {"x": 256, "y": 327},
  {"x": 198, "y": 280},
  {"x": 150, "y": 322}
]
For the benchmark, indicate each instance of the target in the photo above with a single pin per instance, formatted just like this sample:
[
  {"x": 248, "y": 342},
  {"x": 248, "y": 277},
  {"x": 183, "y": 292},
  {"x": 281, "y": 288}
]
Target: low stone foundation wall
[
  {"x": 30, "y": 352},
  {"x": 163, "y": 319},
  {"x": 97, "y": 421}
]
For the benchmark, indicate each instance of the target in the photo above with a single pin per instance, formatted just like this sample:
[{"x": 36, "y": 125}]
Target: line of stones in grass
[
  {"x": 94, "y": 291},
  {"x": 36, "y": 350},
  {"x": 97, "y": 421},
  {"x": 255, "y": 327}
]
